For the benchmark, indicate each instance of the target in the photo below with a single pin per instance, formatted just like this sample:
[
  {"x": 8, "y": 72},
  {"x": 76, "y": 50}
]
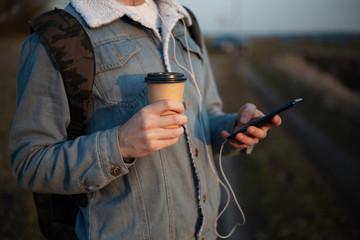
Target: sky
[{"x": 249, "y": 17}]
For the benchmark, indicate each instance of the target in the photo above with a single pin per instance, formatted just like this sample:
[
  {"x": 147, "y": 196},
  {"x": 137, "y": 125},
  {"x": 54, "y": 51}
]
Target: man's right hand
[{"x": 146, "y": 131}]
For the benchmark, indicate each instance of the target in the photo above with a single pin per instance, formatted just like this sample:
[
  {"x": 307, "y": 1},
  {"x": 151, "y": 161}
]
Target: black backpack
[{"x": 72, "y": 52}]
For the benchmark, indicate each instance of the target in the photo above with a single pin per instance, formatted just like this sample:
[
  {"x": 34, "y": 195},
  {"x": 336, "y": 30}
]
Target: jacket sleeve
[
  {"x": 218, "y": 120},
  {"x": 42, "y": 158}
]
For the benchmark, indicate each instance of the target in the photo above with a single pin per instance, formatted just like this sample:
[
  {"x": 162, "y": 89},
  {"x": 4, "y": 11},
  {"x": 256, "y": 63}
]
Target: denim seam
[
  {"x": 169, "y": 197},
  {"x": 118, "y": 64},
  {"x": 140, "y": 200},
  {"x": 117, "y": 38},
  {"x": 90, "y": 215}
]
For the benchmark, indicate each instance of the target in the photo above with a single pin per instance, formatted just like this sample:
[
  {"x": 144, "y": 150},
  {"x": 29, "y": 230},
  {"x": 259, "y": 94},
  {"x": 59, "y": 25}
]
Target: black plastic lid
[{"x": 165, "y": 77}]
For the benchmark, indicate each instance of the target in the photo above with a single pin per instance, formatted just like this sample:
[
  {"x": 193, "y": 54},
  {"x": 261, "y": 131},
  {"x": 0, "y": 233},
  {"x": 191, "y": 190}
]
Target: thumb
[{"x": 246, "y": 113}]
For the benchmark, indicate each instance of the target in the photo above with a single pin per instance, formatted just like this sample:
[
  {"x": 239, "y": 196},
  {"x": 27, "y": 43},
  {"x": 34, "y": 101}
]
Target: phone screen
[{"x": 266, "y": 118}]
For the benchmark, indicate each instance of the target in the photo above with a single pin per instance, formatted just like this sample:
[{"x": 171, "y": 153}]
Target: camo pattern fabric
[{"x": 72, "y": 51}]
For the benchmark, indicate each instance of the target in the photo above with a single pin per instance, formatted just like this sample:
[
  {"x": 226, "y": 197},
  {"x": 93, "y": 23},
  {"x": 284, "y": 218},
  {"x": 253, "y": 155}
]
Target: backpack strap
[
  {"x": 194, "y": 29},
  {"x": 72, "y": 52}
]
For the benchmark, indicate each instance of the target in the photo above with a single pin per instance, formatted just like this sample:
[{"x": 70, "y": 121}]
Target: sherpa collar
[{"x": 101, "y": 12}]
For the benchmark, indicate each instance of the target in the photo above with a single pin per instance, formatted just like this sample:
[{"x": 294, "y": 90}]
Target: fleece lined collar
[
  {"x": 101, "y": 12},
  {"x": 97, "y": 13}
]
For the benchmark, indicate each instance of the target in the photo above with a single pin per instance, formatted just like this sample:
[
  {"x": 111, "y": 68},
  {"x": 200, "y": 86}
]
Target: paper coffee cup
[{"x": 165, "y": 85}]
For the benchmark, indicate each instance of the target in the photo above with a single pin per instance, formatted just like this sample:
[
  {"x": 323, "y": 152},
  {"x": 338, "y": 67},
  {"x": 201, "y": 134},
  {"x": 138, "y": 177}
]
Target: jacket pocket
[
  {"x": 120, "y": 78},
  {"x": 112, "y": 55}
]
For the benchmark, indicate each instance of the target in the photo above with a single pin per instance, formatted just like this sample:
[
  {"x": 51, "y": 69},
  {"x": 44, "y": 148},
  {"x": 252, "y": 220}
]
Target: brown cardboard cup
[{"x": 165, "y": 85}]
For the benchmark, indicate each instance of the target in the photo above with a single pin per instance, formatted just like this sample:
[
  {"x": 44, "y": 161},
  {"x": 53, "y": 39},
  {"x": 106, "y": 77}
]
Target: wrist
[{"x": 121, "y": 144}]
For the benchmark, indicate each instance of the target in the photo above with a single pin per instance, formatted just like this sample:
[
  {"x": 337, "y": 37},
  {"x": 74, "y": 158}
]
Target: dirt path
[{"x": 341, "y": 170}]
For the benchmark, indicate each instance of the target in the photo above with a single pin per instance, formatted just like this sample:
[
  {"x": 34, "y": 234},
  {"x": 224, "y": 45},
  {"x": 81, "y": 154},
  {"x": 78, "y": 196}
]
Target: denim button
[
  {"x": 115, "y": 171},
  {"x": 197, "y": 151},
  {"x": 205, "y": 196}
]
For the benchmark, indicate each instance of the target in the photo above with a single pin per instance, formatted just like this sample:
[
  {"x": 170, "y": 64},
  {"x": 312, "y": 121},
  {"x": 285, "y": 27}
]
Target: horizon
[
  {"x": 254, "y": 17},
  {"x": 278, "y": 17}
]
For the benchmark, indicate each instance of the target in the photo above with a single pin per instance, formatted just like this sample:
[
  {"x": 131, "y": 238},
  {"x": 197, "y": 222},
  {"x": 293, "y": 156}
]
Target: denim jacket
[{"x": 170, "y": 194}]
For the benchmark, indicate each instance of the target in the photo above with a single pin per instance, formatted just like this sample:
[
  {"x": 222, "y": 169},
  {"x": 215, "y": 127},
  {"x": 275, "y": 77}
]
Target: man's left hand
[{"x": 248, "y": 114}]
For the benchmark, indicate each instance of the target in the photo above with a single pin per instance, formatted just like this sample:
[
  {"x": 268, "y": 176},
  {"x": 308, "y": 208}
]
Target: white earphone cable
[{"x": 227, "y": 187}]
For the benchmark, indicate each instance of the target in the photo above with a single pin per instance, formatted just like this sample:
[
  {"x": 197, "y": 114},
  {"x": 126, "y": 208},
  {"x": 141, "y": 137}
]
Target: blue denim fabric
[{"x": 171, "y": 194}]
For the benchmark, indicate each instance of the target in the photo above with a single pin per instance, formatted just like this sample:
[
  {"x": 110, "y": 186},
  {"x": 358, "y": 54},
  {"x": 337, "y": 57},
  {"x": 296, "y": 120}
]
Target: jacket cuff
[{"x": 114, "y": 165}]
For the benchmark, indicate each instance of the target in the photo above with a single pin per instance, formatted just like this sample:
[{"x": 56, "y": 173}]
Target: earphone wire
[
  {"x": 227, "y": 187},
  {"x": 227, "y": 203}
]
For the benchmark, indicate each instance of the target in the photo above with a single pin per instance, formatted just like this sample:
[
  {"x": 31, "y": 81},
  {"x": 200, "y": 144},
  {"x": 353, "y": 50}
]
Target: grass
[
  {"x": 284, "y": 197},
  {"x": 335, "y": 120}
]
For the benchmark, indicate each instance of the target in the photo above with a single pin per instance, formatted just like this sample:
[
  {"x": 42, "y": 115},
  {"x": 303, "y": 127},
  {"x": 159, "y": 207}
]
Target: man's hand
[
  {"x": 146, "y": 131},
  {"x": 248, "y": 114}
]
